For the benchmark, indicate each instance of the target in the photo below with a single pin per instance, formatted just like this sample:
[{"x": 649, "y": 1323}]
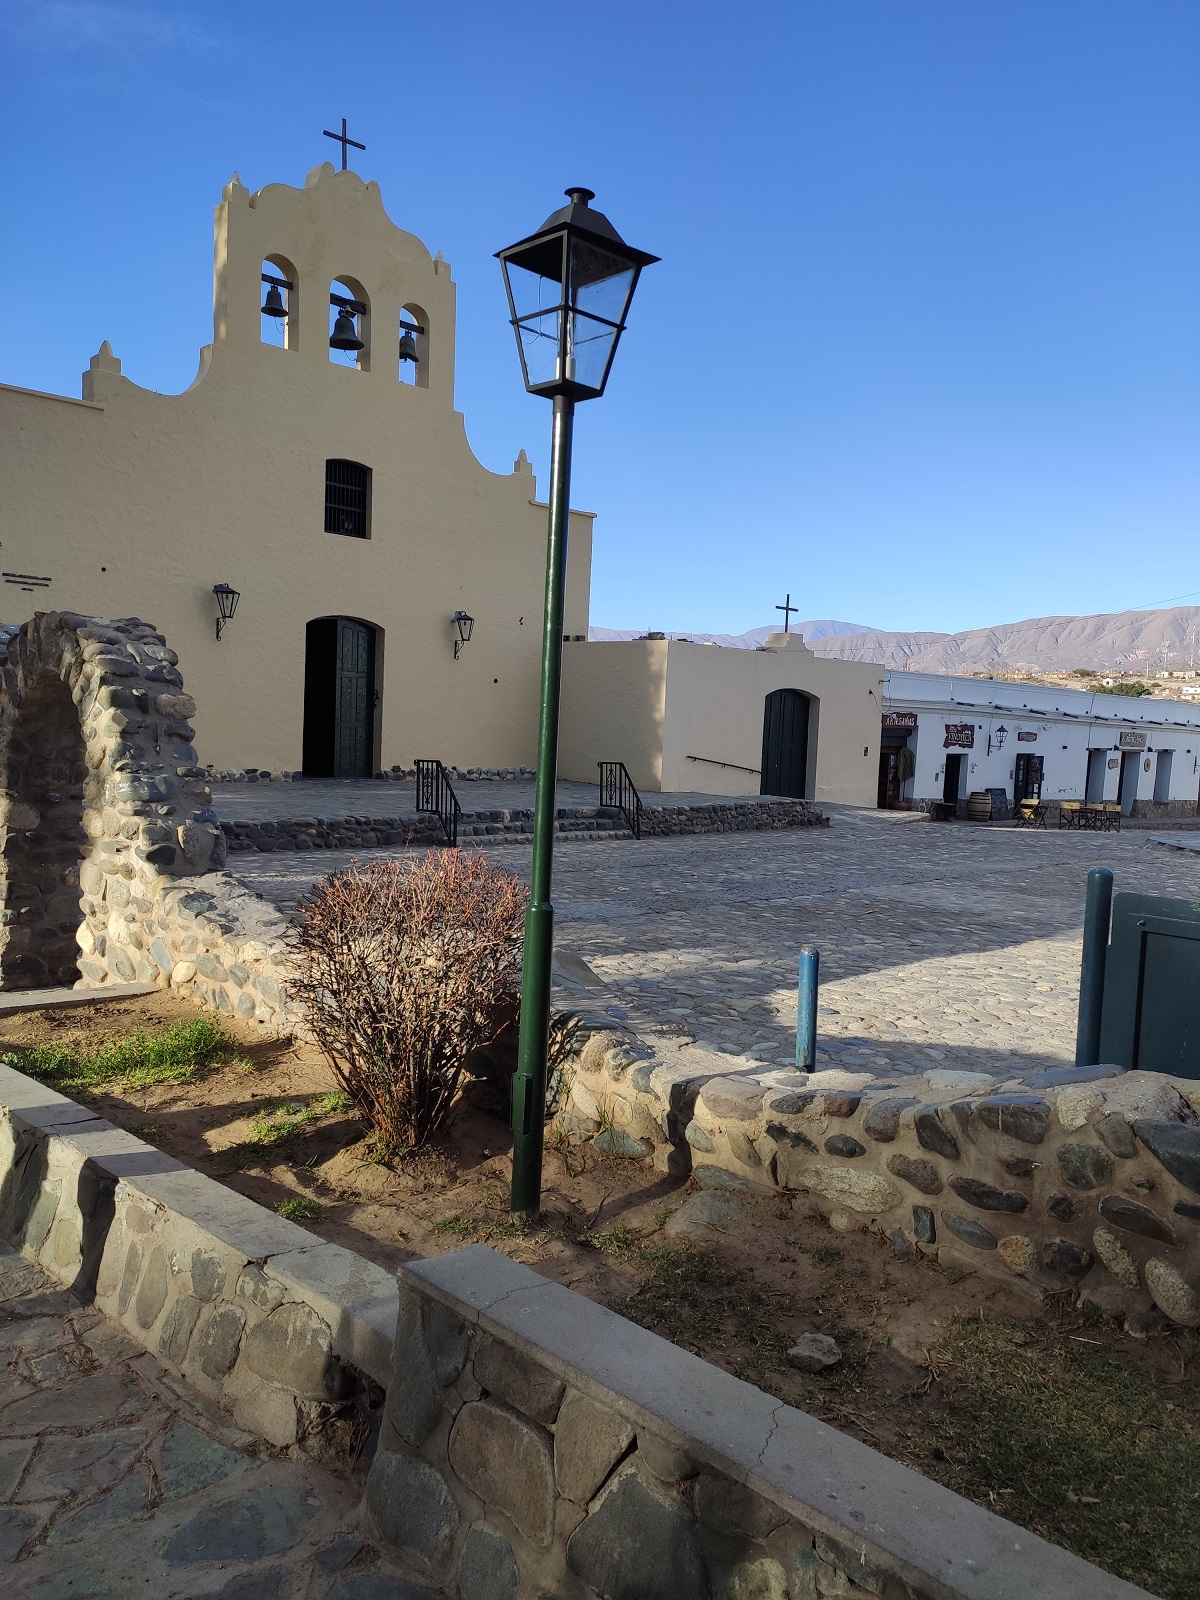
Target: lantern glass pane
[
  {"x": 535, "y": 277},
  {"x": 589, "y": 349},
  {"x": 601, "y": 283},
  {"x": 540, "y": 348}
]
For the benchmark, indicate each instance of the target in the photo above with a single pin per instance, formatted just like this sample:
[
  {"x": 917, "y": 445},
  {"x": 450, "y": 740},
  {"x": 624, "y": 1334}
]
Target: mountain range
[{"x": 1128, "y": 641}]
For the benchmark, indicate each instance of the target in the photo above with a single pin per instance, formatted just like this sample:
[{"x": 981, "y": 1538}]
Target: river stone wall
[
  {"x": 1085, "y": 1179},
  {"x": 535, "y": 1444},
  {"x": 737, "y": 816},
  {"x": 292, "y": 1336}
]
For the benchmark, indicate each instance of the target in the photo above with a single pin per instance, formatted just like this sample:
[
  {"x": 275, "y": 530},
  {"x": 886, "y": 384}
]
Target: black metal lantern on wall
[
  {"x": 463, "y": 622},
  {"x": 227, "y": 600},
  {"x": 569, "y": 287}
]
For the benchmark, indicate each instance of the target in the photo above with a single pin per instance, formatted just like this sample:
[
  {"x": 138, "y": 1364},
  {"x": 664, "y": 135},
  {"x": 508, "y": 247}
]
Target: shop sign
[
  {"x": 900, "y": 720},
  {"x": 1132, "y": 741},
  {"x": 1026, "y": 738},
  {"x": 961, "y": 734}
]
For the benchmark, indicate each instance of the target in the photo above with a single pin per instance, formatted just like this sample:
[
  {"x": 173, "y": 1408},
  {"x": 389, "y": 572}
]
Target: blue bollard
[
  {"x": 806, "y": 1007},
  {"x": 1097, "y": 917}
]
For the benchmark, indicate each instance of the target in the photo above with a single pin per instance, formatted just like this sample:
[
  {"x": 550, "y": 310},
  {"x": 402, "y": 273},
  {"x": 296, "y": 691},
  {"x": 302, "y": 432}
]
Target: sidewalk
[{"x": 115, "y": 1481}]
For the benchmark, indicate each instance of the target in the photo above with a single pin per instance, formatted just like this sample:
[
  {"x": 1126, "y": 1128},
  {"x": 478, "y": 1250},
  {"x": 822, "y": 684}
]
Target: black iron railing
[
  {"x": 434, "y": 793},
  {"x": 617, "y": 791}
]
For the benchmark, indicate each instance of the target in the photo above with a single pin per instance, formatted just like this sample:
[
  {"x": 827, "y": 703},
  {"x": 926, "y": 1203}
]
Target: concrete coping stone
[
  {"x": 83, "y": 994},
  {"x": 821, "y": 1477},
  {"x": 357, "y": 1299}
]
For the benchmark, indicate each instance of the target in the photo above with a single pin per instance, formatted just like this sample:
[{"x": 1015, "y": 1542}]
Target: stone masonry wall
[
  {"x": 738, "y": 816},
  {"x": 537, "y": 1445},
  {"x": 1085, "y": 1179},
  {"x": 289, "y": 1334}
]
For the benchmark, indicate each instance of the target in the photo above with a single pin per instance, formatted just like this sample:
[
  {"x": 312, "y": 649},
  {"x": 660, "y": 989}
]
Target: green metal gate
[{"x": 1151, "y": 1014}]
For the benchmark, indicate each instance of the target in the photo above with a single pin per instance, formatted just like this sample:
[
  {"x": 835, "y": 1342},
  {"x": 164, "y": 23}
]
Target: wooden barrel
[{"x": 979, "y": 806}]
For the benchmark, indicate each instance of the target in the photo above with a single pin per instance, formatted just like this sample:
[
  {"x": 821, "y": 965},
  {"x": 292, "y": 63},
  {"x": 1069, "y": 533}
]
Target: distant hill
[
  {"x": 1130, "y": 641},
  {"x": 824, "y": 629}
]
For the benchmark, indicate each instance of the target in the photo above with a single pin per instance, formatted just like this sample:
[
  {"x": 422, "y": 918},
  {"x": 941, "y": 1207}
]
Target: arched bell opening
[
  {"x": 349, "y": 324},
  {"x": 414, "y": 347},
  {"x": 41, "y": 814},
  {"x": 278, "y": 312}
]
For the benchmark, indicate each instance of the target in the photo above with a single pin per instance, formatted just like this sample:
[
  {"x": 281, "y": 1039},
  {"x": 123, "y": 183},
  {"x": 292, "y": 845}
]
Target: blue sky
[{"x": 924, "y": 346}]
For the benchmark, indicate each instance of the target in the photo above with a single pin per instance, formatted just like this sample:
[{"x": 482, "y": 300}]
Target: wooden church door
[
  {"x": 339, "y": 698},
  {"x": 785, "y": 744}
]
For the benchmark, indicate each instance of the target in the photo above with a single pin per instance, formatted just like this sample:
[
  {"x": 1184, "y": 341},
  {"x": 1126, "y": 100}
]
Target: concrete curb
[{"x": 290, "y": 1335}]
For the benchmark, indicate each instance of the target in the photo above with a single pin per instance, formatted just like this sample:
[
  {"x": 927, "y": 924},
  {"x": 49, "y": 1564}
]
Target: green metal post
[
  {"x": 1097, "y": 916},
  {"x": 529, "y": 1080}
]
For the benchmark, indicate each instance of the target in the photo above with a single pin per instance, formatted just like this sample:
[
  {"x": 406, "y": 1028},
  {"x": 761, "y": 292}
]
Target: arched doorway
[
  {"x": 339, "y": 698},
  {"x": 785, "y": 744}
]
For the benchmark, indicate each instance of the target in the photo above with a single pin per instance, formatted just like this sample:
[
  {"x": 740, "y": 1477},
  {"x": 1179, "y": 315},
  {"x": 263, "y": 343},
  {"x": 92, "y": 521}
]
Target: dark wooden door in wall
[
  {"x": 785, "y": 744},
  {"x": 339, "y": 698}
]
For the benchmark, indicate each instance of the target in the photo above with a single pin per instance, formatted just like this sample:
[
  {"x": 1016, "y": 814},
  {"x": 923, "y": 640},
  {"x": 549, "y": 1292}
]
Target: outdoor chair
[
  {"x": 1071, "y": 814},
  {"x": 1031, "y": 814},
  {"x": 1111, "y": 816}
]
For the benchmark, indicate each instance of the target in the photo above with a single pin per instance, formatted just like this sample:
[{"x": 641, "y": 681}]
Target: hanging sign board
[
  {"x": 1132, "y": 741},
  {"x": 1026, "y": 738},
  {"x": 900, "y": 720},
  {"x": 961, "y": 734}
]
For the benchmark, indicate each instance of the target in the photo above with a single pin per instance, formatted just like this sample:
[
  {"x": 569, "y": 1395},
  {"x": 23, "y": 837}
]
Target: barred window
[{"x": 348, "y": 499}]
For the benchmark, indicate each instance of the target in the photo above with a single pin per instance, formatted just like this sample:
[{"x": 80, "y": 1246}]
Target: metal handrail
[
  {"x": 737, "y": 765},
  {"x": 435, "y": 793},
  {"x": 617, "y": 791}
]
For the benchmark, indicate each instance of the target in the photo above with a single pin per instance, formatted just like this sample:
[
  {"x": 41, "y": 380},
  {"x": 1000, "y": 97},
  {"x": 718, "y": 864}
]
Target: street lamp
[{"x": 569, "y": 286}]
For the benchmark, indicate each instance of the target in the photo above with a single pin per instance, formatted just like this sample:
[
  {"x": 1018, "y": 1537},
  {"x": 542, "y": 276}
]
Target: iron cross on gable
[
  {"x": 343, "y": 139},
  {"x": 787, "y": 608}
]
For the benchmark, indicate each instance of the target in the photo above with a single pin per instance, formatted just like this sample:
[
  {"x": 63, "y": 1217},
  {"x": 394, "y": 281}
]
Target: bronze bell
[
  {"x": 408, "y": 347},
  {"x": 344, "y": 336},
  {"x": 273, "y": 305}
]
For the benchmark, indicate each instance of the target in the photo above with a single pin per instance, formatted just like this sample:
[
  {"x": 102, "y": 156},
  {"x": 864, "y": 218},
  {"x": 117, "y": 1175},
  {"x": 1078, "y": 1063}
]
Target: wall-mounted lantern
[
  {"x": 464, "y": 623},
  {"x": 999, "y": 737},
  {"x": 227, "y": 600}
]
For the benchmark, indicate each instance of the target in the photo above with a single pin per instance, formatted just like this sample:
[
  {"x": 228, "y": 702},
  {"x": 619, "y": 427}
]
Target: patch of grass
[
  {"x": 692, "y": 1296},
  {"x": 290, "y": 1117},
  {"x": 1065, "y": 1438},
  {"x": 296, "y": 1208},
  {"x": 826, "y": 1255},
  {"x": 496, "y": 1223},
  {"x": 171, "y": 1054}
]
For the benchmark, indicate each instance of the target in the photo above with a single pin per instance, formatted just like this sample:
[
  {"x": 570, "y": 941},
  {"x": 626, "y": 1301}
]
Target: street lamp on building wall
[{"x": 569, "y": 287}]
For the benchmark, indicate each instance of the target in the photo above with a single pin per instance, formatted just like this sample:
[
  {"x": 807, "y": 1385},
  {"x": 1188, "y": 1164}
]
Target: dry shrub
[{"x": 406, "y": 968}]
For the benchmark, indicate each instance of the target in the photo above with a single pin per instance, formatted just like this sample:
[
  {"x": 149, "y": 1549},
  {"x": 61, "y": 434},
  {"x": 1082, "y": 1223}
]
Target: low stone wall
[
  {"x": 291, "y": 1335},
  {"x": 738, "y": 816},
  {"x": 332, "y": 833},
  {"x": 536, "y": 1444},
  {"x": 1080, "y": 1178}
]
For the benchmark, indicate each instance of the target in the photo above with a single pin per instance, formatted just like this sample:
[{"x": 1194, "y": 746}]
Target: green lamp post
[{"x": 569, "y": 288}]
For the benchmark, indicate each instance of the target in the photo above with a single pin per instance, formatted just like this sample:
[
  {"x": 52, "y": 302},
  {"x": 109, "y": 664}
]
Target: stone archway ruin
[
  {"x": 100, "y": 796},
  {"x": 111, "y": 853}
]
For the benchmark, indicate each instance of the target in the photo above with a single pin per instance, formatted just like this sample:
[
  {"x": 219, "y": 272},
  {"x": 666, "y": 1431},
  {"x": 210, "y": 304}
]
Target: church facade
[
  {"x": 389, "y": 588},
  {"x": 343, "y": 505}
]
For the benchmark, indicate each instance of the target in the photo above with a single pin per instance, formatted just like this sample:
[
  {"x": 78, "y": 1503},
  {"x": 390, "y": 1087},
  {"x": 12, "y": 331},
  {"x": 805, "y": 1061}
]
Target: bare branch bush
[{"x": 405, "y": 969}]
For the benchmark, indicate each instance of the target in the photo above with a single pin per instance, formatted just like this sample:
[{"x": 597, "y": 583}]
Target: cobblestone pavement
[
  {"x": 115, "y": 1483},
  {"x": 942, "y": 945}
]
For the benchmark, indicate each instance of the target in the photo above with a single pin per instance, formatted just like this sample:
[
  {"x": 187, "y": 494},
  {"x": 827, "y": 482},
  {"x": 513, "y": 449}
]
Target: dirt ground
[{"x": 915, "y": 1375}]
